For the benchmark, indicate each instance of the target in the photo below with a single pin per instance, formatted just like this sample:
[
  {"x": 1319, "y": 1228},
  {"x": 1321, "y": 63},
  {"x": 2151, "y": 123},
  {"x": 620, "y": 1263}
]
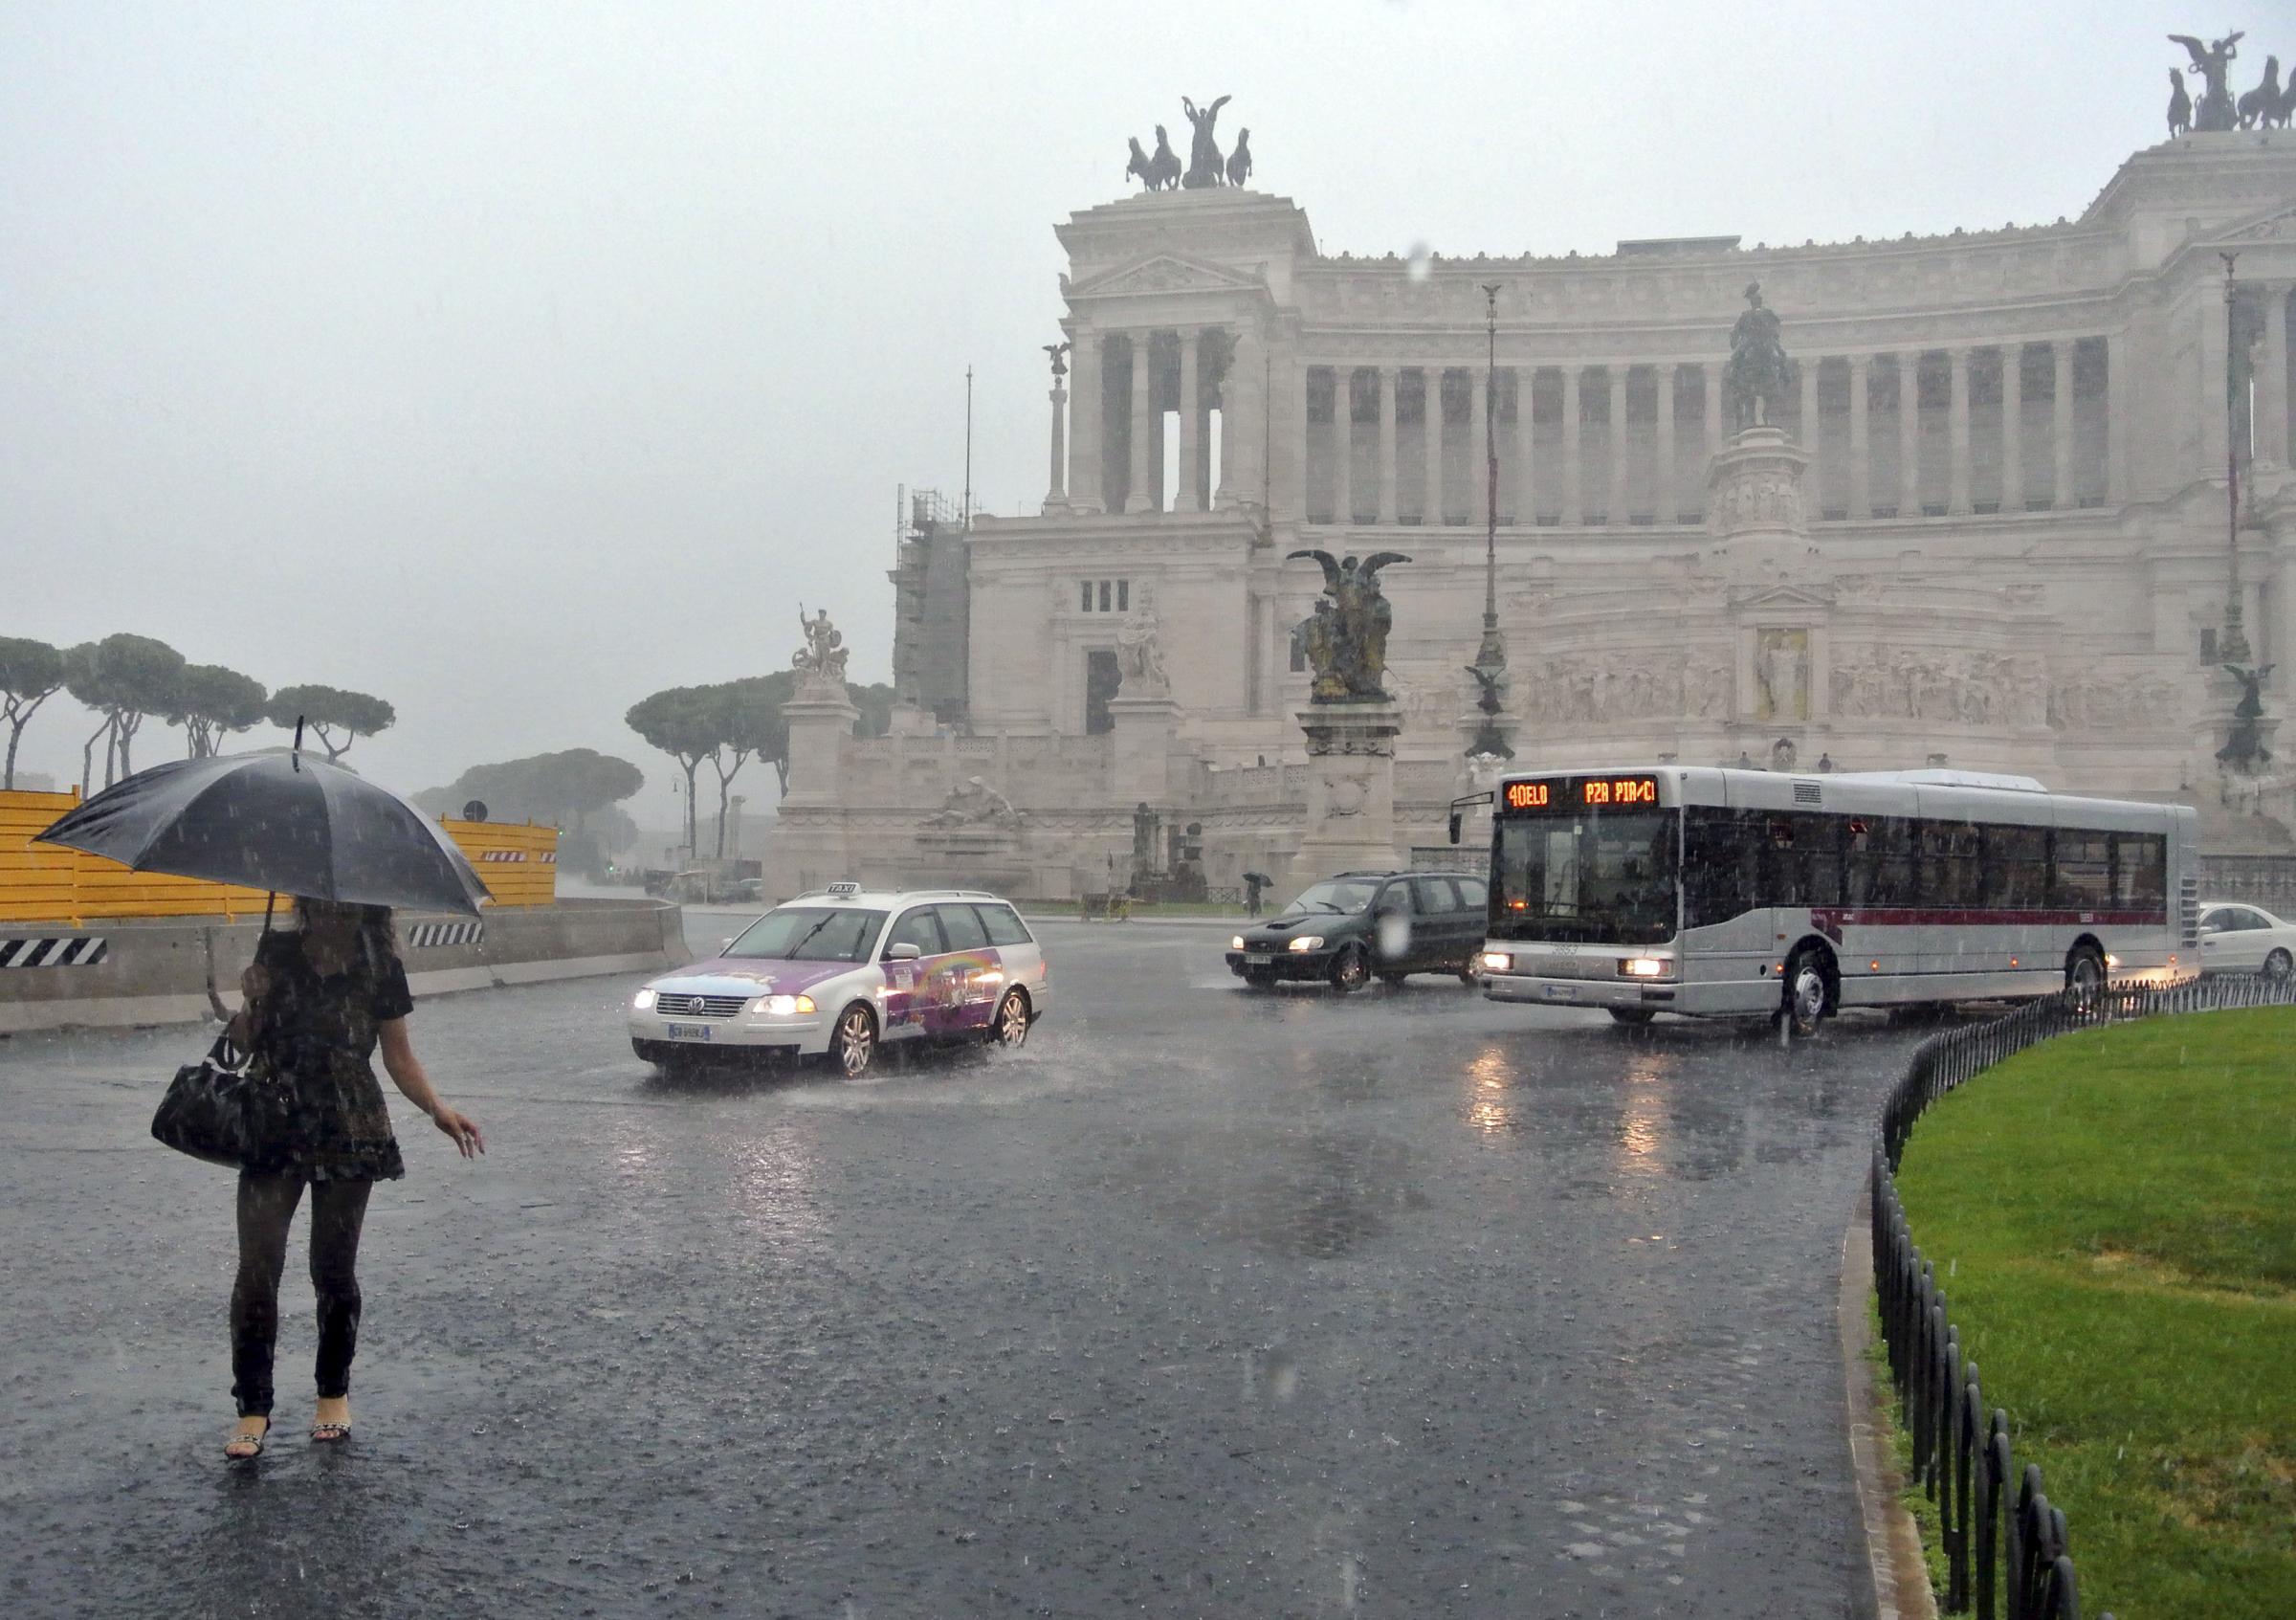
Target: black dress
[{"x": 315, "y": 1033}]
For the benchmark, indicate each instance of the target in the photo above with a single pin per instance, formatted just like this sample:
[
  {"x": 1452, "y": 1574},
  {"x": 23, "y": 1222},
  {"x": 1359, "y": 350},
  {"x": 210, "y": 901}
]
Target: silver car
[{"x": 839, "y": 972}]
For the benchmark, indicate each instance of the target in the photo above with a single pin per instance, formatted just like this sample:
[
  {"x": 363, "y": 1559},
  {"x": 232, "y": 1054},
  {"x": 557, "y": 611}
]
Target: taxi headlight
[
  {"x": 1497, "y": 961},
  {"x": 1236, "y": 944},
  {"x": 1307, "y": 942},
  {"x": 642, "y": 1002},
  {"x": 1644, "y": 967},
  {"x": 788, "y": 1006}
]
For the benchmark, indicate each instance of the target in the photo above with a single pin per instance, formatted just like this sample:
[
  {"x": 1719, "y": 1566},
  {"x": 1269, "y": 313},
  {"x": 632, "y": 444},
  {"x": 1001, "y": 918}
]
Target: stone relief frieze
[
  {"x": 1576, "y": 692},
  {"x": 2105, "y": 702},
  {"x": 1949, "y": 688}
]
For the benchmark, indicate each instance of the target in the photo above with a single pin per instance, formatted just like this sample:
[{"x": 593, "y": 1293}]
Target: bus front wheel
[
  {"x": 2085, "y": 977},
  {"x": 1806, "y": 991}
]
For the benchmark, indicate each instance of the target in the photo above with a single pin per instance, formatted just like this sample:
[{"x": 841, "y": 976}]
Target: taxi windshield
[
  {"x": 1343, "y": 895},
  {"x": 810, "y": 933}
]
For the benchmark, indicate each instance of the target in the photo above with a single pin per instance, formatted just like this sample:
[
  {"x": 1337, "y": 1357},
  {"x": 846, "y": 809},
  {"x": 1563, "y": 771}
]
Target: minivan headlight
[
  {"x": 1236, "y": 944},
  {"x": 642, "y": 1002},
  {"x": 1307, "y": 942}
]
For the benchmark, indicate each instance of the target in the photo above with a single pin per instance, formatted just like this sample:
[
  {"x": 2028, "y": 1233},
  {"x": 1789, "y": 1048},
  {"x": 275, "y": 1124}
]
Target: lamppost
[
  {"x": 2232, "y": 646},
  {"x": 1490, "y": 668}
]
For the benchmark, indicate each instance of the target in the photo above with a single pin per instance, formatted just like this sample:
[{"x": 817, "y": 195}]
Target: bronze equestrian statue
[{"x": 1758, "y": 375}]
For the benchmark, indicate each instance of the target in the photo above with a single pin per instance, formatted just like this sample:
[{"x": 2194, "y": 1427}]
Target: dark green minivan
[{"x": 1359, "y": 925}]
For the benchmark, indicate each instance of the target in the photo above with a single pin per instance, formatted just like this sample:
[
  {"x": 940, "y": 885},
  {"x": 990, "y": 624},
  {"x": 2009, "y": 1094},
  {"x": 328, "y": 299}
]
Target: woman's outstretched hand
[{"x": 462, "y": 1129}]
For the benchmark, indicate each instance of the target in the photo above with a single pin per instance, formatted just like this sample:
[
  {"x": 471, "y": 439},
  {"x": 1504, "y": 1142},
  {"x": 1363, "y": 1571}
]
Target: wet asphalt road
[{"x": 1206, "y": 1302}]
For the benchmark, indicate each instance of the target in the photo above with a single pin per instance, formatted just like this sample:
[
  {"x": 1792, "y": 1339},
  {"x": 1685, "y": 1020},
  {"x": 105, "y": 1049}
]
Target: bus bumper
[{"x": 1751, "y": 995}]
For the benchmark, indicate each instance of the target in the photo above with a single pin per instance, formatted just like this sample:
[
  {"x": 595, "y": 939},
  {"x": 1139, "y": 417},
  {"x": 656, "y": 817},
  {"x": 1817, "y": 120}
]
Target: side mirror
[
  {"x": 1454, "y": 826},
  {"x": 902, "y": 952}
]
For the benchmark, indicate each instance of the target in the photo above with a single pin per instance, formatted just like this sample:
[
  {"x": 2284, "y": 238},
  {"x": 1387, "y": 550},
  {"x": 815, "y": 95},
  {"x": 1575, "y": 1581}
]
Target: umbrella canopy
[{"x": 275, "y": 820}]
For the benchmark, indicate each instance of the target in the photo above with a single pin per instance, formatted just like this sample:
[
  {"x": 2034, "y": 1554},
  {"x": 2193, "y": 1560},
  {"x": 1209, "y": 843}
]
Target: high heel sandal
[{"x": 254, "y": 1441}]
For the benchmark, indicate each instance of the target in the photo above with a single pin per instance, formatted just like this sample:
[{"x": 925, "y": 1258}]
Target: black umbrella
[{"x": 279, "y": 821}]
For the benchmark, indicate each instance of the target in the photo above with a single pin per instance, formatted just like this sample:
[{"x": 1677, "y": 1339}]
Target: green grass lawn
[{"x": 2112, "y": 1216}]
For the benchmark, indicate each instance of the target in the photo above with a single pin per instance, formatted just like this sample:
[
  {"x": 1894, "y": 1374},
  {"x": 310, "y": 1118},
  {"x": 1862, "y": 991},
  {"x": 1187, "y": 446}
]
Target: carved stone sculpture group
[
  {"x": 1346, "y": 638},
  {"x": 821, "y": 660},
  {"x": 1161, "y": 171},
  {"x": 2270, "y": 105}
]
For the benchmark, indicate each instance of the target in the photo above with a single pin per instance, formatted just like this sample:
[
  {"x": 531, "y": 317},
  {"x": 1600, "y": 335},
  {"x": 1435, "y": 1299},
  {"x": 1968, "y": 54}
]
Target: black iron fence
[{"x": 2005, "y": 1548}]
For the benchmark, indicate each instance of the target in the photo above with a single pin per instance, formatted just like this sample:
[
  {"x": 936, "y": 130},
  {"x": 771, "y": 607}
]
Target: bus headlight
[
  {"x": 1307, "y": 942},
  {"x": 1496, "y": 961},
  {"x": 1236, "y": 944},
  {"x": 1645, "y": 967},
  {"x": 642, "y": 1002},
  {"x": 788, "y": 1006}
]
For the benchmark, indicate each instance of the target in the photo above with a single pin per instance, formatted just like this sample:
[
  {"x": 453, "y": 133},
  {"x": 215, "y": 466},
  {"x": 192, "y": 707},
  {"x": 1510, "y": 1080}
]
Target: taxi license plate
[
  {"x": 686, "y": 1031},
  {"x": 1253, "y": 961},
  {"x": 1562, "y": 992}
]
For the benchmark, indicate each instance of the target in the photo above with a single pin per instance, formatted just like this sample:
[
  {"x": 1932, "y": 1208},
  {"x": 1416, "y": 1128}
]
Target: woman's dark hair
[{"x": 375, "y": 929}]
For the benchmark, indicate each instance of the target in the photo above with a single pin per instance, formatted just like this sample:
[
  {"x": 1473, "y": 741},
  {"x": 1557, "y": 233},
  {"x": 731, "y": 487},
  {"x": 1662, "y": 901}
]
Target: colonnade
[{"x": 1115, "y": 444}]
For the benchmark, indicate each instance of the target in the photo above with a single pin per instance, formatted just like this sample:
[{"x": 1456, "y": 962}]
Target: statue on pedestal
[
  {"x": 1141, "y": 653},
  {"x": 820, "y": 661},
  {"x": 2244, "y": 747},
  {"x": 1346, "y": 639},
  {"x": 1758, "y": 374},
  {"x": 2213, "y": 62}
]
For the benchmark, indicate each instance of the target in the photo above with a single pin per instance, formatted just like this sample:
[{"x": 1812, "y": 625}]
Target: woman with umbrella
[{"x": 320, "y": 999}]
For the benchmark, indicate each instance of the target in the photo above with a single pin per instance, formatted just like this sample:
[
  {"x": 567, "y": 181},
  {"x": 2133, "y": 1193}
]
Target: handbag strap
[{"x": 227, "y": 1053}]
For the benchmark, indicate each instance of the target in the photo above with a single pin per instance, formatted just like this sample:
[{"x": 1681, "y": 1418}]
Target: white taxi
[{"x": 839, "y": 972}]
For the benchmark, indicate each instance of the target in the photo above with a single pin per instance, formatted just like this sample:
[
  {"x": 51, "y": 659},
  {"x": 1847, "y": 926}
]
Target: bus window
[
  {"x": 1721, "y": 860},
  {"x": 1877, "y": 860},
  {"x": 2014, "y": 875},
  {"x": 2140, "y": 866},
  {"x": 2080, "y": 868},
  {"x": 1806, "y": 859},
  {"x": 1951, "y": 863}
]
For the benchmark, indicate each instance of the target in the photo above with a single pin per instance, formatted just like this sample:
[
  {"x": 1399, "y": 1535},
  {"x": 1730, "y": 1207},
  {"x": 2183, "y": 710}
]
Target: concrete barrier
[{"x": 160, "y": 970}]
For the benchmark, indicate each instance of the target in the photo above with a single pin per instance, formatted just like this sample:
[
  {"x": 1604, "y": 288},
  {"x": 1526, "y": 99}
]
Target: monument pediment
[
  {"x": 1166, "y": 272},
  {"x": 1783, "y": 595}
]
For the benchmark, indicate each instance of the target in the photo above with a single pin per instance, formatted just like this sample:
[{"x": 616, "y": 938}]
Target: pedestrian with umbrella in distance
[{"x": 307, "y": 1114}]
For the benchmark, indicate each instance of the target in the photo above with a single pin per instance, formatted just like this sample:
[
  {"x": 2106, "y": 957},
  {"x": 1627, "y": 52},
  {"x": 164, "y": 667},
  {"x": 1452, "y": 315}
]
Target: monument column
[
  {"x": 1808, "y": 427},
  {"x": 2060, "y": 493},
  {"x": 1388, "y": 443},
  {"x": 1478, "y": 427},
  {"x": 2116, "y": 419},
  {"x": 2013, "y": 427},
  {"x": 1713, "y": 406},
  {"x": 1669, "y": 500},
  {"x": 1616, "y": 497},
  {"x": 2272, "y": 378},
  {"x": 1908, "y": 434},
  {"x": 1343, "y": 444},
  {"x": 1188, "y": 498},
  {"x": 1526, "y": 414},
  {"x": 1958, "y": 467},
  {"x": 1243, "y": 416},
  {"x": 1143, "y": 350},
  {"x": 1086, "y": 492},
  {"x": 1056, "y": 494},
  {"x": 1574, "y": 467},
  {"x": 1431, "y": 430},
  {"x": 1861, "y": 444}
]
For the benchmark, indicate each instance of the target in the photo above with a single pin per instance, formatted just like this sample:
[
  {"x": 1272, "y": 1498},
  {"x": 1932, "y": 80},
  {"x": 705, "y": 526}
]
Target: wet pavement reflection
[{"x": 1206, "y": 1302}]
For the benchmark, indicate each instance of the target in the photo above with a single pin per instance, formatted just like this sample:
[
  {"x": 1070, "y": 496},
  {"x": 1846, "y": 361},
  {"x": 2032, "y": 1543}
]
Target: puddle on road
[{"x": 1312, "y": 1195}]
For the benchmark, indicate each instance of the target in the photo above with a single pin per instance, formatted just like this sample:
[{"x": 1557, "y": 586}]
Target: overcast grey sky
[{"x": 513, "y": 361}]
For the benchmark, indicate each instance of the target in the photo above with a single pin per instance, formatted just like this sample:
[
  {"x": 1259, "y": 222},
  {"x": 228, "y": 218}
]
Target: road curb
[{"x": 1899, "y": 1578}]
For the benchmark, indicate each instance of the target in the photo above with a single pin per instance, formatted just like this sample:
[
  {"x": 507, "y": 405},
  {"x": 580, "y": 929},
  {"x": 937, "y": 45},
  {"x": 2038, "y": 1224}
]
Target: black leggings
[{"x": 266, "y": 1206}]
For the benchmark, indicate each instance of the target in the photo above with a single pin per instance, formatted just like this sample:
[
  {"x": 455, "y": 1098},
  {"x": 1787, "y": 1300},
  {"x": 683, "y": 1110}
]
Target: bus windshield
[{"x": 1589, "y": 874}]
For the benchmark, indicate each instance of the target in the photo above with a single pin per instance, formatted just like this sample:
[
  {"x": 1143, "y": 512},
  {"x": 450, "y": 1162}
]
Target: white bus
[{"x": 1737, "y": 893}]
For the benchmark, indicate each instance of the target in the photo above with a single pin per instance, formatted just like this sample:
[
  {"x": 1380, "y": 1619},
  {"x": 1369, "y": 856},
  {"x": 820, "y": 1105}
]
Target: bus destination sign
[{"x": 1582, "y": 793}]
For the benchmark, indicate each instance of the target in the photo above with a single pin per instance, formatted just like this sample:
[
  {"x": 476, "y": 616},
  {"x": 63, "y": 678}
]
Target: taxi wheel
[
  {"x": 854, "y": 1043},
  {"x": 1011, "y": 1028},
  {"x": 1351, "y": 969}
]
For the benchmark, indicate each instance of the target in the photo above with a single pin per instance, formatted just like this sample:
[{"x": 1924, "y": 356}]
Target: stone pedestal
[
  {"x": 1756, "y": 509},
  {"x": 807, "y": 846},
  {"x": 1351, "y": 788},
  {"x": 1144, "y": 726}
]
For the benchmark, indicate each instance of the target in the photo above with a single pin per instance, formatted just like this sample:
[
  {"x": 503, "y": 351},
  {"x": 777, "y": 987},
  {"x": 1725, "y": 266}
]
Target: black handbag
[{"x": 223, "y": 1109}]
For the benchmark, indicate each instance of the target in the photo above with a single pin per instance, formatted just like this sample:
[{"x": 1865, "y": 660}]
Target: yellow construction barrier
[{"x": 42, "y": 883}]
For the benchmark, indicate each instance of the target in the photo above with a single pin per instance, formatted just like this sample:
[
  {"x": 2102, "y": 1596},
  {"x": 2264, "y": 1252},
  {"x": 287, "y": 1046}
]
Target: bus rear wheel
[
  {"x": 2085, "y": 978},
  {"x": 1806, "y": 991}
]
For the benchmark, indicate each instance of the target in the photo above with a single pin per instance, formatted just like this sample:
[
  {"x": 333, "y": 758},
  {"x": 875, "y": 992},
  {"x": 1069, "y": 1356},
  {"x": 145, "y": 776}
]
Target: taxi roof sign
[{"x": 846, "y": 888}]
